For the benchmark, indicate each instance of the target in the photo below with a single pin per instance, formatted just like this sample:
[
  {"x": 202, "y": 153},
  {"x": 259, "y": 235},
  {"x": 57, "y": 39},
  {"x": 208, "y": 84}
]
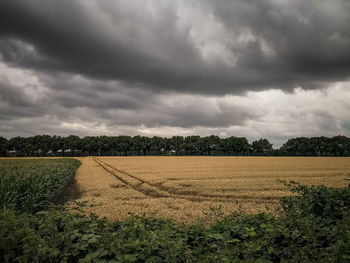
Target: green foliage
[
  {"x": 262, "y": 147},
  {"x": 317, "y": 202},
  {"x": 317, "y": 146},
  {"x": 31, "y": 185},
  {"x": 305, "y": 233}
]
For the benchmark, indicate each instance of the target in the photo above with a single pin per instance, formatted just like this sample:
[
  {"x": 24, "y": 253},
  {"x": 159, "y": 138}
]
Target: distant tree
[
  {"x": 210, "y": 144},
  {"x": 235, "y": 145},
  {"x": 156, "y": 145},
  {"x": 42, "y": 145},
  {"x": 73, "y": 144},
  {"x": 340, "y": 146},
  {"x": 138, "y": 144},
  {"x": 3, "y": 146},
  {"x": 16, "y": 146},
  {"x": 125, "y": 143},
  {"x": 104, "y": 145},
  {"x": 114, "y": 146},
  {"x": 296, "y": 146},
  {"x": 317, "y": 146},
  {"x": 56, "y": 144},
  {"x": 177, "y": 144},
  {"x": 193, "y": 145},
  {"x": 31, "y": 147},
  {"x": 262, "y": 147}
]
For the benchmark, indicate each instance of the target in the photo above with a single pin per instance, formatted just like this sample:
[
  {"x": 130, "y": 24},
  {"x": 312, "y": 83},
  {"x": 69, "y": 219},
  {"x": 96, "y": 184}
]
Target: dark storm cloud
[
  {"x": 117, "y": 104},
  {"x": 66, "y": 33},
  {"x": 157, "y": 67},
  {"x": 76, "y": 91},
  {"x": 310, "y": 38},
  {"x": 272, "y": 44},
  {"x": 12, "y": 95},
  {"x": 75, "y": 99}
]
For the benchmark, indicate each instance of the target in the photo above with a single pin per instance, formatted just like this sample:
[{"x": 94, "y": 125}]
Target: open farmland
[
  {"x": 185, "y": 188},
  {"x": 178, "y": 188}
]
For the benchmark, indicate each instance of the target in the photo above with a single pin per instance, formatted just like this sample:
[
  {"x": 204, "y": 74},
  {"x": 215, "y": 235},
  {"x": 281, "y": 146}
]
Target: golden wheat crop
[{"x": 185, "y": 188}]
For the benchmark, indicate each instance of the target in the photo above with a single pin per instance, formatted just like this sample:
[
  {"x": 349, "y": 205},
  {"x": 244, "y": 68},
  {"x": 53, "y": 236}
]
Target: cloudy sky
[{"x": 274, "y": 69}]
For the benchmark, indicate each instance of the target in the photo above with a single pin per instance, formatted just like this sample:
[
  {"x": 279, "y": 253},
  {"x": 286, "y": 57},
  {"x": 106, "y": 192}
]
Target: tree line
[{"x": 72, "y": 145}]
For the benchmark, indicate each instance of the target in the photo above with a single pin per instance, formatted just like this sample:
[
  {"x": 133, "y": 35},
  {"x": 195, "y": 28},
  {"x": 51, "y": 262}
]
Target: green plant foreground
[
  {"x": 30, "y": 185},
  {"x": 313, "y": 226}
]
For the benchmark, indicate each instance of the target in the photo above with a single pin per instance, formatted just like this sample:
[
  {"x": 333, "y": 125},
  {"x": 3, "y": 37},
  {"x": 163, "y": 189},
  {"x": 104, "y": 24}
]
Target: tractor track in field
[
  {"x": 137, "y": 187},
  {"x": 157, "y": 190}
]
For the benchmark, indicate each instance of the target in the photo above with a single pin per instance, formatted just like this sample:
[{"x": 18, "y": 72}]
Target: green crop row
[{"x": 30, "y": 185}]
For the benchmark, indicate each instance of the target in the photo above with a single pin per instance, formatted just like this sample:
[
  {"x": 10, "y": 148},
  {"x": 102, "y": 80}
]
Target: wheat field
[{"x": 186, "y": 189}]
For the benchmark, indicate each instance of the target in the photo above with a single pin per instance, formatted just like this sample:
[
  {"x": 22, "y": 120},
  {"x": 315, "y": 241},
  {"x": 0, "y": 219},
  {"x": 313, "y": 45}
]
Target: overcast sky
[{"x": 274, "y": 69}]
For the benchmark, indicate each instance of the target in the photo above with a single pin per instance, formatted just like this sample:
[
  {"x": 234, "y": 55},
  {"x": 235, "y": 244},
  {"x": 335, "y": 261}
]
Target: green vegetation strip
[
  {"x": 30, "y": 185},
  {"x": 46, "y": 145}
]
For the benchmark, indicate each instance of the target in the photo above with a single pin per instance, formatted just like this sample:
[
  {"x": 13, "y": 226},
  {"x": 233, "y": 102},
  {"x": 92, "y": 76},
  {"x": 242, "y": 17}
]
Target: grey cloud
[
  {"x": 311, "y": 39},
  {"x": 163, "y": 67},
  {"x": 76, "y": 91},
  {"x": 346, "y": 126},
  {"x": 14, "y": 103},
  {"x": 271, "y": 114},
  {"x": 65, "y": 33},
  {"x": 275, "y": 44},
  {"x": 197, "y": 111},
  {"x": 112, "y": 103},
  {"x": 13, "y": 95}
]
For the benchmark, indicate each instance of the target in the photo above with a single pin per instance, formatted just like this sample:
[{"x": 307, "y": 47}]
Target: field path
[
  {"x": 92, "y": 180},
  {"x": 139, "y": 185}
]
